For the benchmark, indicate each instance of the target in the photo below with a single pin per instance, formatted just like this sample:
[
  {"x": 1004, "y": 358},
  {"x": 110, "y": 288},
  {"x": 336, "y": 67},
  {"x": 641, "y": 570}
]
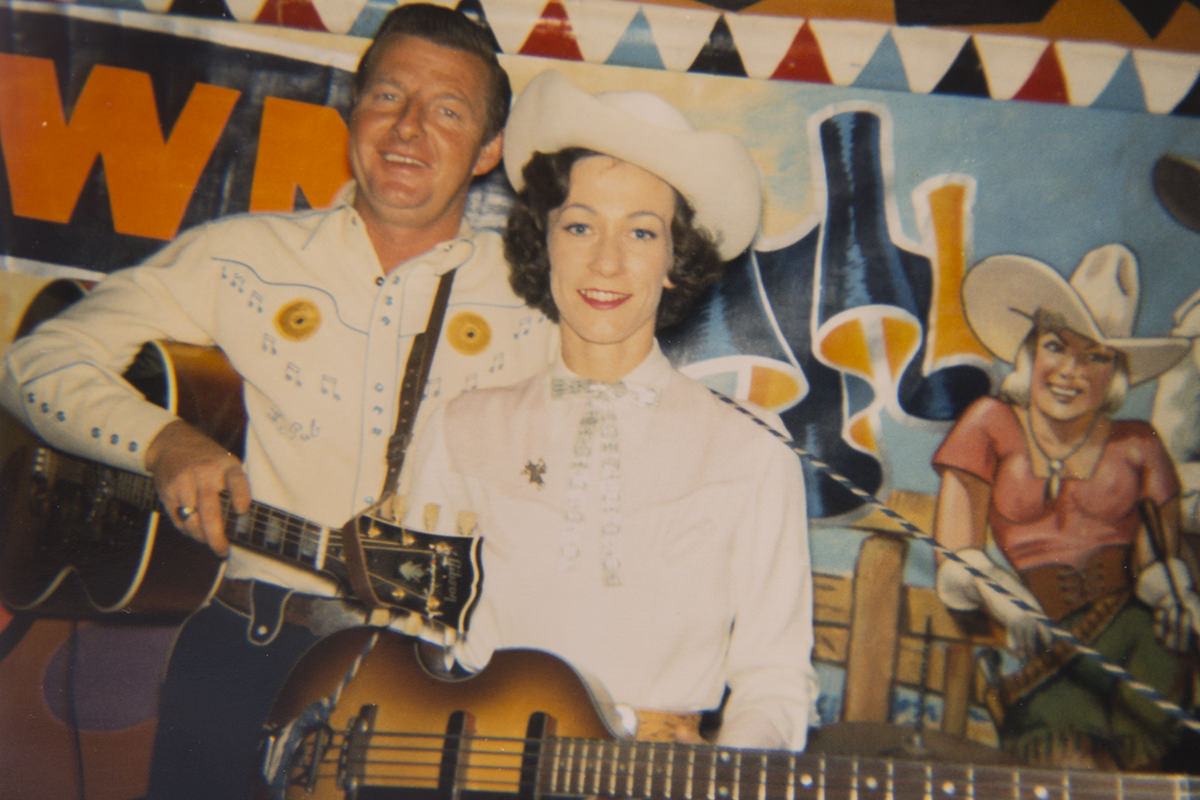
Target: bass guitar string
[{"x": 632, "y": 769}]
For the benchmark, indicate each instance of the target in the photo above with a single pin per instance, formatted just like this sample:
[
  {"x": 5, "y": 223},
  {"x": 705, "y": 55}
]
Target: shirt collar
[
  {"x": 647, "y": 380},
  {"x": 465, "y": 235}
]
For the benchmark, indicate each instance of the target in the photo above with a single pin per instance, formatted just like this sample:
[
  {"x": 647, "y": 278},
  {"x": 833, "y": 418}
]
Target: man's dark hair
[
  {"x": 444, "y": 27},
  {"x": 696, "y": 266}
]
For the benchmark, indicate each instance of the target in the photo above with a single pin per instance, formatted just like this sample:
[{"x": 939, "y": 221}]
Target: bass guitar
[
  {"x": 527, "y": 727},
  {"x": 80, "y": 538}
]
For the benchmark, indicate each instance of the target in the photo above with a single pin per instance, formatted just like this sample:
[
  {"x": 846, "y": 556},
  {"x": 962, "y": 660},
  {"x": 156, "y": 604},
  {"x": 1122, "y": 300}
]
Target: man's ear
[{"x": 489, "y": 155}]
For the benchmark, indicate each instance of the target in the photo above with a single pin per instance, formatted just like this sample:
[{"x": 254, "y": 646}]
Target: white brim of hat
[
  {"x": 1003, "y": 293},
  {"x": 712, "y": 170}
]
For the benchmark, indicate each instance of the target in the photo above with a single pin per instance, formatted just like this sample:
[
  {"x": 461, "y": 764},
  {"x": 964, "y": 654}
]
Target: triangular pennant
[
  {"x": 846, "y": 46},
  {"x": 1166, "y": 77},
  {"x": 290, "y": 14},
  {"x": 1124, "y": 91},
  {"x": 338, "y": 15},
  {"x": 679, "y": 33},
  {"x": 803, "y": 61},
  {"x": 1046, "y": 84},
  {"x": 512, "y": 20},
  {"x": 1008, "y": 61},
  {"x": 719, "y": 56},
  {"x": 1088, "y": 67},
  {"x": 762, "y": 41},
  {"x": 885, "y": 70},
  {"x": 965, "y": 75},
  {"x": 636, "y": 47},
  {"x": 1152, "y": 15},
  {"x": 552, "y": 36},
  {"x": 1189, "y": 106},
  {"x": 926, "y": 54},
  {"x": 598, "y": 27}
]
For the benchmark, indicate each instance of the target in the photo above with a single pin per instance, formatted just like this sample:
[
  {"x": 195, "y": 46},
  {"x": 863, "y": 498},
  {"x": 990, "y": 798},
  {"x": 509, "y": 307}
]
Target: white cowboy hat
[
  {"x": 712, "y": 170},
  {"x": 1002, "y": 294}
]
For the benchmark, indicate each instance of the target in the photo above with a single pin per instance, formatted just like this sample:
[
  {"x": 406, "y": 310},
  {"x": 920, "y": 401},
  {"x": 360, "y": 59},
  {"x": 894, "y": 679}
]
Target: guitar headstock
[{"x": 436, "y": 577}]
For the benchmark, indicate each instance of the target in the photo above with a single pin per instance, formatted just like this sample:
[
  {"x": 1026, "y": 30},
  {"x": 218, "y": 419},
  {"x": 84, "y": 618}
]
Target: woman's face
[
  {"x": 1071, "y": 375},
  {"x": 610, "y": 249}
]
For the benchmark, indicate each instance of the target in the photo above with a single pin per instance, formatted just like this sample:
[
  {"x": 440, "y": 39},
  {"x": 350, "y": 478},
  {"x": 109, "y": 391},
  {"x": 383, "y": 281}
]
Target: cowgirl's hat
[
  {"x": 712, "y": 170},
  {"x": 1002, "y": 294}
]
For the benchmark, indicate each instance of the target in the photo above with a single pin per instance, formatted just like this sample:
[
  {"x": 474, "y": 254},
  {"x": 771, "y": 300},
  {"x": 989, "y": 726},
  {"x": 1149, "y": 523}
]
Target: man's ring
[{"x": 185, "y": 512}]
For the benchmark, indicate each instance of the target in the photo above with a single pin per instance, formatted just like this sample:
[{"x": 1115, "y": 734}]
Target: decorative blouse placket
[{"x": 594, "y": 479}]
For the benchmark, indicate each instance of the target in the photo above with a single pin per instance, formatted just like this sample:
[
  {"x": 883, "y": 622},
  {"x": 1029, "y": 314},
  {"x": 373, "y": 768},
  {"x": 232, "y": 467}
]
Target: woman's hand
[
  {"x": 190, "y": 471},
  {"x": 1028, "y": 632},
  {"x": 1167, "y": 588}
]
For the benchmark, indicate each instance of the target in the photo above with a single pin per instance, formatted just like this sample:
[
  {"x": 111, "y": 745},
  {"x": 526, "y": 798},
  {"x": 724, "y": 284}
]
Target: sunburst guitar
[{"x": 392, "y": 725}]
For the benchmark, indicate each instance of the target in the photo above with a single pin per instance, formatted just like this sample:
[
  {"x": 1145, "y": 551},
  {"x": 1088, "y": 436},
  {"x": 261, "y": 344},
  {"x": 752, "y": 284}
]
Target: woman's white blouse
[{"x": 650, "y": 535}]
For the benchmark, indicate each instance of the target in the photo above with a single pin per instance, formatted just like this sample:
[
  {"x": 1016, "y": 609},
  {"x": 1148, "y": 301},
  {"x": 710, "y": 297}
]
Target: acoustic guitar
[
  {"x": 81, "y": 538},
  {"x": 528, "y": 727}
]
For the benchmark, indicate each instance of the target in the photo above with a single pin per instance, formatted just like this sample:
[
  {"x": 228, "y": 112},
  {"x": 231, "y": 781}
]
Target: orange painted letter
[
  {"x": 150, "y": 180},
  {"x": 303, "y": 146}
]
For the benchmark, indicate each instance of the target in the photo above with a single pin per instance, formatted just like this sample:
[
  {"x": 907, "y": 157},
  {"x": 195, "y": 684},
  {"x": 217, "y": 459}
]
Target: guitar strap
[{"x": 416, "y": 374}]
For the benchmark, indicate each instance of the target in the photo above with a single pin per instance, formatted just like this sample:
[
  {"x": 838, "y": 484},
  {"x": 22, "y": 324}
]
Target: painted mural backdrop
[{"x": 895, "y": 159}]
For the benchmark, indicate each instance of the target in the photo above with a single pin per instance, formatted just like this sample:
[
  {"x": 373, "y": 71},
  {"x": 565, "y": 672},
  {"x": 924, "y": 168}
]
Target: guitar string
[
  {"x": 514, "y": 747},
  {"x": 1144, "y": 689},
  {"x": 645, "y": 762},
  {"x": 139, "y": 490}
]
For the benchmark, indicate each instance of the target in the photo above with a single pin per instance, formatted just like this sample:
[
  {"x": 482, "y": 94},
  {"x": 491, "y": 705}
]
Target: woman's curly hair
[{"x": 547, "y": 182}]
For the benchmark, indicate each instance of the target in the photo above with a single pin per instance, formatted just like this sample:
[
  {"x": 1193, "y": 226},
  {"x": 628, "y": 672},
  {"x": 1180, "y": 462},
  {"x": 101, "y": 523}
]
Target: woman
[
  {"x": 1059, "y": 483},
  {"x": 633, "y": 524}
]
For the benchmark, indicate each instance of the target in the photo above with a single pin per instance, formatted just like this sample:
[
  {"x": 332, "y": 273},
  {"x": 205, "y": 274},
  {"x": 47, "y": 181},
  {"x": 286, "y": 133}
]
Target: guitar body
[
  {"x": 67, "y": 551},
  {"x": 68, "y": 547},
  {"x": 501, "y": 702}
]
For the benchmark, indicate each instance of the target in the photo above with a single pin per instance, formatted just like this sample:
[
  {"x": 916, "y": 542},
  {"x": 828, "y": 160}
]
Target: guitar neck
[
  {"x": 263, "y": 528},
  {"x": 287, "y": 537},
  {"x": 664, "y": 771},
  {"x": 546, "y": 766}
]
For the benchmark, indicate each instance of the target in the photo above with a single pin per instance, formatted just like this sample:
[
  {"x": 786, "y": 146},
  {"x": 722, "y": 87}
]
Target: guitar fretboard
[{"x": 263, "y": 528}]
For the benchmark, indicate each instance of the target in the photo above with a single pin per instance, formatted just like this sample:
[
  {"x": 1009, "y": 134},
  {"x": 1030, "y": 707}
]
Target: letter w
[{"x": 150, "y": 181}]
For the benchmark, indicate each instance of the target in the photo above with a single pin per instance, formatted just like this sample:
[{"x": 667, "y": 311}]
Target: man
[{"x": 317, "y": 311}]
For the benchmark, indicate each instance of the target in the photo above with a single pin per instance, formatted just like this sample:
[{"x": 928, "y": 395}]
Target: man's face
[{"x": 416, "y": 136}]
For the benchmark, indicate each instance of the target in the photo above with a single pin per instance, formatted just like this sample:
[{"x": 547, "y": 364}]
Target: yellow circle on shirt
[
  {"x": 468, "y": 333},
  {"x": 298, "y": 320}
]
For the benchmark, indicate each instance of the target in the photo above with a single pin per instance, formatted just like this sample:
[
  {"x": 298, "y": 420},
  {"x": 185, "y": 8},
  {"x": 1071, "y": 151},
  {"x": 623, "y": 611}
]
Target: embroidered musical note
[
  {"x": 256, "y": 301},
  {"x": 268, "y": 344},
  {"x": 497, "y": 363},
  {"x": 292, "y": 374},
  {"x": 329, "y": 386}
]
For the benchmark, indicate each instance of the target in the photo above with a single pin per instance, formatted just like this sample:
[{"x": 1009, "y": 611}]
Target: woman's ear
[{"x": 668, "y": 283}]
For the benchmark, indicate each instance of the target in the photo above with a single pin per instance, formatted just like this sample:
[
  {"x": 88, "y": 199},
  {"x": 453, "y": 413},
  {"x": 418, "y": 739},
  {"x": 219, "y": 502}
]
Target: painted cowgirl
[
  {"x": 647, "y": 533},
  {"x": 1063, "y": 488}
]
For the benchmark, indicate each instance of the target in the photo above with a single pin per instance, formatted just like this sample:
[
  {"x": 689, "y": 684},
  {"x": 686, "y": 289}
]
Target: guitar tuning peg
[
  {"x": 399, "y": 505},
  {"x": 466, "y": 522},
  {"x": 429, "y": 516}
]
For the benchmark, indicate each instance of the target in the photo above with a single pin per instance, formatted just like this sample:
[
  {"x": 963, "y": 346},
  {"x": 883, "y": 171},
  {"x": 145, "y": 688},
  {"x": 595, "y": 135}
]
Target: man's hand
[{"x": 190, "y": 471}]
